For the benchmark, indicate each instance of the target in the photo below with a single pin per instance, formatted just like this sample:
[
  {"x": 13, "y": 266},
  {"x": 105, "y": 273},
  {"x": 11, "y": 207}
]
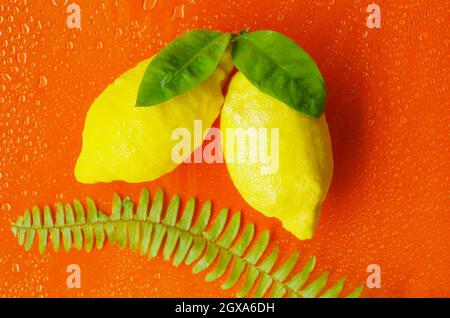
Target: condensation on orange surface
[{"x": 387, "y": 107}]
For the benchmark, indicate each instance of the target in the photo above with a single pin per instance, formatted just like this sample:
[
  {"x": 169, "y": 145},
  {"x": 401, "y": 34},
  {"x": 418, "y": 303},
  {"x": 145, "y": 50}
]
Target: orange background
[{"x": 387, "y": 107}]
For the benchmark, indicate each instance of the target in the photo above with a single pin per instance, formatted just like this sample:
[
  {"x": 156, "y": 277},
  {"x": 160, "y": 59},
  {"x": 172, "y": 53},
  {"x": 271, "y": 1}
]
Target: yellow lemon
[
  {"x": 296, "y": 184},
  {"x": 134, "y": 144}
]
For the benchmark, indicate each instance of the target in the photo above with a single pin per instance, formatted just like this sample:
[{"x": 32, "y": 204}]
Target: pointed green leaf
[
  {"x": 116, "y": 208},
  {"x": 172, "y": 211},
  {"x": 76, "y": 230},
  {"x": 283, "y": 272},
  {"x": 236, "y": 272},
  {"x": 21, "y": 231},
  {"x": 259, "y": 248},
  {"x": 264, "y": 284},
  {"x": 171, "y": 242},
  {"x": 196, "y": 251},
  {"x": 108, "y": 227},
  {"x": 141, "y": 213},
  {"x": 211, "y": 253},
  {"x": 26, "y": 225},
  {"x": 132, "y": 227},
  {"x": 188, "y": 214},
  {"x": 183, "y": 248},
  {"x": 217, "y": 227},
  {"x": 159, "y": 232},
  {"x": 278, "y": 290},
  {"x": 252, "y": 276},
  {"x": 278, "y": 67},
  {"x": 146, "y": 236},
  {"x": 231, "y": 231},
  {"x": 244, "y": 241},
  {"x": 267, "y": 264},
  {"x": 182, "y": 65},
  {"x": 42, "y": 232},
  {"x": 356, "y": 293},
  {"x": 299, "y": 279},
  {"x": 314, "y": 288},
  {"x": 334, "y": 291},
  {"x": 203, "y": 219},
  {"x": 54, "y": 231},
  {"x": 88, "y": 229},
  {"x": 157, "y": 206},
  {"x": 221, "y": 267}
]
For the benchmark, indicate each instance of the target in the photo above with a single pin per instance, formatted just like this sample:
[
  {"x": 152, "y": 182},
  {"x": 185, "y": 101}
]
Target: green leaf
[
  {"x": 222, "y": 265},
  {"x": 29, "y": 233},
  {"x": 183, "y": 248},
  {"x": 255, "y": 254},
  {"x": 334, "y": 291},
  {"x": 278, "y": 291},
  {"x": 158, "y": 235},
  {"x": 315, "y": 287},
  {"x": 21, "y": 233},
  {"x": 299, "y": 279},
  {"x": 217, "y": 227},
  {"x": 196, "y": 250},
  {"x": 231, "y": 232},
  {"x": 356, "y": 293},
  {"x": 42, "y": 232},
  {"x": 181, "y": 66},
  {"x": 244, "y": 241},
  {"x": 283, "y": 272},
  {"x": 236, "y": 273},
  {"x": 278, "y": 67},
  {"x": 76, "y": 230},
  {"x": 54, "y": 232},
  {"x": 264, "y": 284},
  {"x": 207, "y": 259},
  {"x": 268, "y": 263},
  {"x": 252, "y": 276}
]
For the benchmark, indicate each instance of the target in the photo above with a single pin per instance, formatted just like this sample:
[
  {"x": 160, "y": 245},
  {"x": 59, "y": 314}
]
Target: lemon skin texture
[
  {"x": 295, "y": 191},
  {"x": 134, "y": 144}
]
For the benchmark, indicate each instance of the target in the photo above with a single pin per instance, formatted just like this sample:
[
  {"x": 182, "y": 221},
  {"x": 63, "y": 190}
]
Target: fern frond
[{"x": 219, "y": 245}]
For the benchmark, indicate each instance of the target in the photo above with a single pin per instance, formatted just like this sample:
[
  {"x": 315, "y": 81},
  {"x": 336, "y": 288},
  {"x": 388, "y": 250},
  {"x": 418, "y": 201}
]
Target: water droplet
[
  {"x": 21, "y": 57},
  {"x": 42, "y": 81},
  {"x": 178, "y": 12},
  {"x": 69, "y": 45},
  {"x": 280, "y": 17},
  {"x": 6, "y": 77},
  {"x": 424, "y": 36},
  {"x": 149, "y": 4},
  {"x": 6, "y": 206},
  {"x": 15, "y": 268},
  {"x": 25, "y": 28},
  {"x": 58, "y": 3},
  {"x": 99, "y": 45},
  {"x": 119, "y": 32}
]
